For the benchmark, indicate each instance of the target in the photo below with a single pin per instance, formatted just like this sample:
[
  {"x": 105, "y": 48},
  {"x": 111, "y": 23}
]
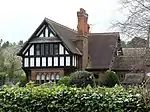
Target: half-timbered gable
[{"x": 48, "y": 49}]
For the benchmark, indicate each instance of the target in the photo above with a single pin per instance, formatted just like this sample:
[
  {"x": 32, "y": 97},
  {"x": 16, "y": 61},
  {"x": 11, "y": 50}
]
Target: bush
[
  {"x": 68, "y": 99},
  {"x": 64, "y": 80},
  {"x": 111, "y": 79},
  {"x": 81, "y": 78}
]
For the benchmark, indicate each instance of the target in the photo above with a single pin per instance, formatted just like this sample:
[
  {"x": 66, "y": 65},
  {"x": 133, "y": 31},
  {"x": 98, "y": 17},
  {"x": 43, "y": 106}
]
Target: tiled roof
[
  {"x": 133, "y": 58},
  {"x": 101, "y": 49},
  {"x": 134, "y": 52}
]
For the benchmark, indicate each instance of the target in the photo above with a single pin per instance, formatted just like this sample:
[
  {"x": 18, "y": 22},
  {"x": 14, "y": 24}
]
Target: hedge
[{"x": 68, "y": 99}]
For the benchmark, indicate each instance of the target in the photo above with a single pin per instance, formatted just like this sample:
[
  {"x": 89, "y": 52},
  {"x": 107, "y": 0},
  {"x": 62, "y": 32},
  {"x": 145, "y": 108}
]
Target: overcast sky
[{"x": 20, "y": 18}]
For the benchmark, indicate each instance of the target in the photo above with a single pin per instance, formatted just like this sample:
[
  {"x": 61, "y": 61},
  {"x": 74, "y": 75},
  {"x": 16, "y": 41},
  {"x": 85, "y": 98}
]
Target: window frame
[{"x": 46, "y": 49}]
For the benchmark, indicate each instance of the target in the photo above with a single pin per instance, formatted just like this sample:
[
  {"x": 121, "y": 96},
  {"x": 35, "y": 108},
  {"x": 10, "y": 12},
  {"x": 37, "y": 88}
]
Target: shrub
[
  {"x": 111, "y": 79},
  {"x": 67, "y": 99},
  {"x": 108, "y": 79},
  {"x": 64, "y": 80},
  {"x": 102, "y": 79},
  {"x": 81, "y": 78}
]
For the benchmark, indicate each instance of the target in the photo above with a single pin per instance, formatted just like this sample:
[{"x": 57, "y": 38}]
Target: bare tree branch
[{"x": 137, "y": 19}]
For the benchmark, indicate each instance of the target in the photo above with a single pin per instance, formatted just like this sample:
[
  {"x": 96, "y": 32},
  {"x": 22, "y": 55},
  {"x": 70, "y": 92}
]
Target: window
[
  {"x": 37, "y": 62},
  {"x": 43, "y": 61},
  {"x": 67, "y": 61},
  {"x": 57, "y": 77},
  {"x": 49, "y": 61},
  {"x": 46, "y": 49},
  {"x": 42, "y": 78},
  {"x": 61, "y": 49},
  {"x": 47, "y": 77},
  {"x": 55, "y": 61},
  {"x": 42, "y": 49},
  {"x": 37, "y": 49},
  {"x": 61, "y": 61},
  {"x": 31, "y": 62},
  {"x": 37, "y": 78},
  {"x": 55, "y": 49},
  {"x": 26, "y": 62},
  {"x": 32, "y": 50},
  {"x": 51, "y": 49},
  {"x": 53, "y": 77}
]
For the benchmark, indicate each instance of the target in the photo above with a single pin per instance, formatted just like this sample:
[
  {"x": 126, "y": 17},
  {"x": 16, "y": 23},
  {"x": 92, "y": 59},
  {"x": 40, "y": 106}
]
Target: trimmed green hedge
[{"x": 68, "y": 99}]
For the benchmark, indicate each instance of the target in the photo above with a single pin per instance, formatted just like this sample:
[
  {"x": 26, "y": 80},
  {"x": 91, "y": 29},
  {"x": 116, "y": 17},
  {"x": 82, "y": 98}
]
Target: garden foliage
[
  {"x": 64, "y": 80},
  {"x": 81, "y": 78},
  {"x": 108, "y": 79},
  {"x": 68, "y": 99},
  {"x": 112, "y": 79}
]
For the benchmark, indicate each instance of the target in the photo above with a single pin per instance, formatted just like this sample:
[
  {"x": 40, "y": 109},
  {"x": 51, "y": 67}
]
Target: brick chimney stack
[
  {"x": 83, "y": 27},
  {"x": 82, "y": 42}
]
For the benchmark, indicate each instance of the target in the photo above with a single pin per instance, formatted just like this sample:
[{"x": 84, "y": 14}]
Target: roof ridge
[
  {"x": 105, "y": 33},
  {"x": 63, "y": 26},
  {"x": 134, "y": 48}
]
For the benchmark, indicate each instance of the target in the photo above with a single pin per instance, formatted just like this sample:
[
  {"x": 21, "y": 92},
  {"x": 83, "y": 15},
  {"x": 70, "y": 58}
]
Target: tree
[
  {"x": 138, "y": 18},
  {"x": 20, "y": 42},
  {"x": 12, "y": 62},
  {"x": 136, "y": 42},
  {"x": 123, "y": 44},
  {"x": 2, "y": 67},
  {"x": 5, "y": 44}
]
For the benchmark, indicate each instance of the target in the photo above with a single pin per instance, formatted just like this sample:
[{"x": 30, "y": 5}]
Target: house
[{"x": 55, "y": 50}]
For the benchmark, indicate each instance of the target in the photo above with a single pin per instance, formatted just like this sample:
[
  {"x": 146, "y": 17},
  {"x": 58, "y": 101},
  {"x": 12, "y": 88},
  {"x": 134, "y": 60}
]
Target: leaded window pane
[
  {"x": 51, "y": 49},
  {"x": 55, "y": 49},
  {"x": 37, "y": 49},
  {"x": 42, "y": 49}
]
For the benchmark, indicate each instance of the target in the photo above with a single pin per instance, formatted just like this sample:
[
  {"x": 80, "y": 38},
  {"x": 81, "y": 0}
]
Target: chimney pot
[{"x": 82, "y": 10}]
